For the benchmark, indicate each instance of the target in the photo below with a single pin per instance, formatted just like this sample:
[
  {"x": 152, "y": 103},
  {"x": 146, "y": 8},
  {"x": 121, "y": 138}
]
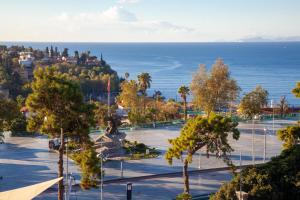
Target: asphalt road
[{"x": 26, "y": 161}]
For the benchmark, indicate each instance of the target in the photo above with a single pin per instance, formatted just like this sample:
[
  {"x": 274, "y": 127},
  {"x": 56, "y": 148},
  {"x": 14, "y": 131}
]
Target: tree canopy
[
  {"x": 289, "y": 135},
  {"x": 184, "y": 91},
  {"x": 129, "y": 94},
  {"x": 211, "y": 132},
  {"x": 215, "y": 90},
  {"x": 56, "y": 102},
  {"x": 296, "y": 90},
  {"x": 275, "y": 180},
  {"x": 11, "y": 119},
  {"x": 144, "y": 82},
  {"x": 252, "y": 103}
]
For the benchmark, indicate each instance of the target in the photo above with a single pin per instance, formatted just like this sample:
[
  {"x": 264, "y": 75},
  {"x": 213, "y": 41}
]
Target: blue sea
[{"x": 275, "y": 66}]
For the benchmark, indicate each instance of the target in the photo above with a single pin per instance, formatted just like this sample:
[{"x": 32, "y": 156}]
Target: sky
[{"x": 149, "y": 20}]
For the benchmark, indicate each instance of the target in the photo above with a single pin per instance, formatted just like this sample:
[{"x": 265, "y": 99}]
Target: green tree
[
  {"x": 51, "y": 51},
  {"x": 296, "y": 90},
  {"x": 215, "y": 90},
  {"x": 126, "y": 75},
  {"x": 101, "y": 114},
  {"x": 20, "y": 101},
  {"x": 76, "y": 55},
  {"x": 58, "y": 107},
  {"x": 47, "y": 51},
  {"x": 283, "y": 106},
  {"x": 65, "y": 52},
  {"x": 144, "y": 82},
  {"x": 253, "y": 102},
  {"x": 8, "y": 113},
  {"x": 290, "y": 136},
  {"x": 168, "y": 110},
  {"x": 184, "y": 91},
  {"x": 56, "y": 51},
  {"x": 129, "y": 95},
  {"x": 89, "y": 164},
  {"x": 210, "y": 132},
  {"x": 278, "y": 179}
]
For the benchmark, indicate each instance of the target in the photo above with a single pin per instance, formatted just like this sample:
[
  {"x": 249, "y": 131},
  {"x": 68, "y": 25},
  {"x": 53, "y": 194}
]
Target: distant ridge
[{"x": 265, "y": 39}]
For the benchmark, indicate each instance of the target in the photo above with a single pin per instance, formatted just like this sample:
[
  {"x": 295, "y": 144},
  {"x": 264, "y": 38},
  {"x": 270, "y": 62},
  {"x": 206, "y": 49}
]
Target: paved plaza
[{"x": 27, "y": 160}]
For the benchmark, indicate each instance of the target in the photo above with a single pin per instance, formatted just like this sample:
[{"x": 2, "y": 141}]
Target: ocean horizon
[{"x": 273, "y": 65}]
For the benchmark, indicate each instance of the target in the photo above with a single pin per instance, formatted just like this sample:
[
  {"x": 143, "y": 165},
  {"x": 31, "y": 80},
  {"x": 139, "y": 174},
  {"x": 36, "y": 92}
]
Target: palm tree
[
  {"x": 144, "y": 83},
  {"x": 157, "y": 96},
  {"x": 184, "y": 91},
  {"x": 126, "y": 75}
]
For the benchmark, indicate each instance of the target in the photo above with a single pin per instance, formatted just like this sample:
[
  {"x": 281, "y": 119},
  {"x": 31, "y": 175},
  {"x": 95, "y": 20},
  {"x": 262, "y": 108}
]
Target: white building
[
  {"x": 26, "y": 61},
  {"x": 26, "y": 58}
]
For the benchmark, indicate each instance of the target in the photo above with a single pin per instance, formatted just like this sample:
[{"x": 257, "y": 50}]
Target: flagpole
[{"x": 108, "y": 96}]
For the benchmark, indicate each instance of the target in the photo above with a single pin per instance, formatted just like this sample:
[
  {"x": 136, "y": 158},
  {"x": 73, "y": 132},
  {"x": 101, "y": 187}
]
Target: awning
[{"x": 28, "y": 192}]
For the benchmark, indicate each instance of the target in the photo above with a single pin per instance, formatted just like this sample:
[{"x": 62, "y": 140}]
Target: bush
[
  {"x": 278, "y": 179},
  {"x": 89, "y": 164},
  {"x": 184, "y": 196},
  {"x": 227, "y": 191},
  {"x": 138, "y": 150}
]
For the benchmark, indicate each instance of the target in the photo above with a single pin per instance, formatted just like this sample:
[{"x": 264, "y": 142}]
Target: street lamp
[
  {"x": 241, "y": 197},
  {"x": 67, "y": 172},
  {"x": 265, "y": 143},
  {"x": 121, "y": 160},
  {"x": 199, "y": 160},
  {"x": 101, "y": 156},
  {"x": 272, "y": 106},
  {"x": 253, "y": 156}
]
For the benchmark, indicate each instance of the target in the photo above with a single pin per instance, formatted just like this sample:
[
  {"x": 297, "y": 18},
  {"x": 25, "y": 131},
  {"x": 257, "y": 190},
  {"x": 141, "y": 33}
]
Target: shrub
[
  {"x": 89, "y": 164},
  {"x": 278, "y": 179},
  {"x": 184, "y": 196}
]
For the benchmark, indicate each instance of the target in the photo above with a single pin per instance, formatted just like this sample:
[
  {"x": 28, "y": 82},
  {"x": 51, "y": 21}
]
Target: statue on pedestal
[{"x": 111, "y": 141}]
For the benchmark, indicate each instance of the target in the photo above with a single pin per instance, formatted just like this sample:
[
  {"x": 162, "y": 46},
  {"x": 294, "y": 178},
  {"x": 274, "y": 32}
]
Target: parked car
[{"x": 54, "y": 144}]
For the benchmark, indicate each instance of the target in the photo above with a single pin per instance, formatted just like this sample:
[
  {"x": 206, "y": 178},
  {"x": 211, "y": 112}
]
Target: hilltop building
[{"x": 26, "y": 60}]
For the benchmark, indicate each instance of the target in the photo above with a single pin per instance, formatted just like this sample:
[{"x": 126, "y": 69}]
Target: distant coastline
[{"x": 274, "y": 65}]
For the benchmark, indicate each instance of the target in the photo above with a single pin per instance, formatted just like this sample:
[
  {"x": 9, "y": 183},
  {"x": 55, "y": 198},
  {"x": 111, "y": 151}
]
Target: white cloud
[
  {"x": 119, "y": 17},
  {"x": 113, "y": 14},
  {"x": 116, "y": 24},
  {"x": 127, "y": 1},
  {"x": 118, "y": 13}
]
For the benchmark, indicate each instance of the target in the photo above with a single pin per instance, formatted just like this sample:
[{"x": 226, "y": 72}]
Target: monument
[{"x": 110, "y": 143}]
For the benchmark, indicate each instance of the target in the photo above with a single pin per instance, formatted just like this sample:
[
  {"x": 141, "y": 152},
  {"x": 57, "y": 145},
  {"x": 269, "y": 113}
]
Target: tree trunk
[
  {"x": 186, "y": 177},
  {"x": 60, "y": 166},
  {"x": 144, "y": 104},
  {"x": 185, "y": 111}
]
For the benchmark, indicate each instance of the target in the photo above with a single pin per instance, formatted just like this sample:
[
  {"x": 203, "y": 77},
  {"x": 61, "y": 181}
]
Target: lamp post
[
  {"x": 241, "y": 196},
  {"x": 272, "y": 106},
  {"x": 100, "y": 155},
  {"x": 265, "y": 143},
  {"x": 102, "y": 158},
  {"x": 67, "y": 172},
  {"x": 253, "y": 156},
  {"x": 121, "y": 160},
  {"x": 199, "y": 160}
]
